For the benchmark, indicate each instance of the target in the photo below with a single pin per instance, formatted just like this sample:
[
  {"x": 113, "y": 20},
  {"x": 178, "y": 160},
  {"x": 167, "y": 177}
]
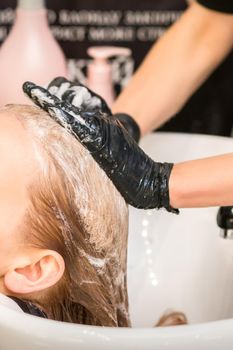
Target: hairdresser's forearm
[
  {"x": 176, "y": 66},
  {"x": 203, "y": 182}
]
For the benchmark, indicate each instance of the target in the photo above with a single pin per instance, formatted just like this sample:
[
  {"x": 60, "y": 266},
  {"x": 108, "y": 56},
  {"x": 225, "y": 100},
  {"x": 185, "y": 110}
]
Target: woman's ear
[{"x": 45, "y": 269}]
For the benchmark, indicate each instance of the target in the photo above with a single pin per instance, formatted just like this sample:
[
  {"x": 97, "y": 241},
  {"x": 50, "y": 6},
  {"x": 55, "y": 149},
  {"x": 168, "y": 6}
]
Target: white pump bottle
[
  {"x": 30, "y": 52},
  {"x": 99, "y": 74}
]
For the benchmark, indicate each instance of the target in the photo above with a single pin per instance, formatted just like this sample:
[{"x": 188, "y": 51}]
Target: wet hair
[
  {"x": 75, "y": 210},
  {"x": 172, "y": 318}
]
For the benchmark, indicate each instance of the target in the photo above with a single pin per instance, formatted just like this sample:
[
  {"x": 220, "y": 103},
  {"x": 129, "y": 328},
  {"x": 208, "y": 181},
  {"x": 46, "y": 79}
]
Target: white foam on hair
[
  {"x": 101, "y": 209},
  {"x": 98, "y": 263},
  {"x": 87, "y": 282}
]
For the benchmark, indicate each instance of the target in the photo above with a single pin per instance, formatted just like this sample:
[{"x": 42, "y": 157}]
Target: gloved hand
[
  {"x": 141, "y": 181},
  {"x": 85, "y": 99}
]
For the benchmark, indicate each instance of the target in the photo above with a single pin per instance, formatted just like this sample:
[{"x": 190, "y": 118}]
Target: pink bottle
[
  {"x": 99, "y": 73},
  {"x": 30, "y": 52}
]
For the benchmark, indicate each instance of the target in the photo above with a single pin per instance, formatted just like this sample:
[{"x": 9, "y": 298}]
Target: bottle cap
[
  {"x": 104, "y": 52},
  {"x": 31, "y": 4}
]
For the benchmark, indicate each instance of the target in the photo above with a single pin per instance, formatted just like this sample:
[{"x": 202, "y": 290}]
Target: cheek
[
  {"x": 13, "y": 196},
  {"x": 11, "y": 214},
  {"x": 8, "y": 251}
]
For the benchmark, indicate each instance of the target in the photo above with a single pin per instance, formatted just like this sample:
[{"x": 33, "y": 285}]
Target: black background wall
[{"x": 78, "y": 24}]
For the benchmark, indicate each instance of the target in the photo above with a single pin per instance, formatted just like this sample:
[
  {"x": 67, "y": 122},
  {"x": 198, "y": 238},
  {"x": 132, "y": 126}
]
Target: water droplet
[
  {"x": 154, "y": 282},
  {"x": 145, "y": 222},
  {"x": 144, "y": 233},
  {"x": 152, "y": 274}
]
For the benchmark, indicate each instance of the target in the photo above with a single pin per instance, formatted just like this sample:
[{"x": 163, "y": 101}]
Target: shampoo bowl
[{"x": 174, "y": 262}]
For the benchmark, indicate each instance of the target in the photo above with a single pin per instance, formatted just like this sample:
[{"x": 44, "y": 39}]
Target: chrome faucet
[{"x": 225, "y": 222}]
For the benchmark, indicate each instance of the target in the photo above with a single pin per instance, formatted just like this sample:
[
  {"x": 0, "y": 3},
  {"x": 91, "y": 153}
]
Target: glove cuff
[
  {"x": 164, "y": 199},
  {"x": 129, "y": 124}
]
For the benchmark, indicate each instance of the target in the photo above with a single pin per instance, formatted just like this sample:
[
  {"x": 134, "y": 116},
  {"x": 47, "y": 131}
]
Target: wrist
[{"x": 164, "y": 195}]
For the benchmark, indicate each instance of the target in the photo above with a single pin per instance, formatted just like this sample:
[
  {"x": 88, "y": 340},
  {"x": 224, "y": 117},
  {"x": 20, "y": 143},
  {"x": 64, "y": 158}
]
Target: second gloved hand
[
  {"x": 141, "y": 181},
  {"x": 83, "y": 98}
]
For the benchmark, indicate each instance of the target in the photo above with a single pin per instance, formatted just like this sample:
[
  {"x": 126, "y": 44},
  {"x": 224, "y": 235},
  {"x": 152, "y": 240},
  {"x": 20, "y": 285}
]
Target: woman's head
[{"x": 74, "y": 223}]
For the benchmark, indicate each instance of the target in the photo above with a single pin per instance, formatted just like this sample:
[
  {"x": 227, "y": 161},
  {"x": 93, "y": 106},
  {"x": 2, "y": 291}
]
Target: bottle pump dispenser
[{"x": 99, "y": 73}]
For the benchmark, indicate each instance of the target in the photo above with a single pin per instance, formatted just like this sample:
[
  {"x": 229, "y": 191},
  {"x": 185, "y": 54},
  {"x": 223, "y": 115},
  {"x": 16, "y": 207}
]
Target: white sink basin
[
  {"x": 180, "y": 262},
  {"x": 175, "y": 262}
]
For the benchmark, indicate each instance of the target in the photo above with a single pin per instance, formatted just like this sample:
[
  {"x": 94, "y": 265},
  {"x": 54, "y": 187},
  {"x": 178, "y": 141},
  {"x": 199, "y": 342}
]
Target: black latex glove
[
  {"x": 82, "y": 97},
  {"x": 141, "y": 181}
]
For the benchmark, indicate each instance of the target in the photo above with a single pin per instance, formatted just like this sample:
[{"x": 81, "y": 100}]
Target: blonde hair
[
  {"x": 172, "y": 318},
  {"x": 76, "y": 211}
]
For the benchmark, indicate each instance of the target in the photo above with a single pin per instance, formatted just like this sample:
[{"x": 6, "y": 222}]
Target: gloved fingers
[
  {"x": 40, "y": 96},
  {"x": 59, "y": 86},
  {"x": 83, "y": 124},
  {"x": 77, "y": 94}
]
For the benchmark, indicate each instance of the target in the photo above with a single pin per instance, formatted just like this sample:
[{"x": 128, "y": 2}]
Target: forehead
[
  {"x": 12, "y": 132},
  {"x": 16, "y": 146},
  {"x": 17, "y": 167}
]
